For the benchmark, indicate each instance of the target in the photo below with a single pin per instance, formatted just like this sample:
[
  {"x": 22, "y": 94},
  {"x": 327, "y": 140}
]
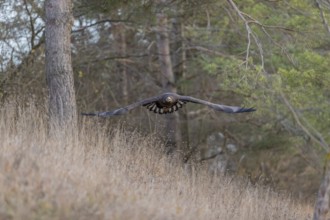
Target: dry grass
[{"x": 114, "y": 175}]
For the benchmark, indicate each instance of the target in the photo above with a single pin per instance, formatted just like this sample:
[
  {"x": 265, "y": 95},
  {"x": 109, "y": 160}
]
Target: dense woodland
[{"x": 271, "y": 55}]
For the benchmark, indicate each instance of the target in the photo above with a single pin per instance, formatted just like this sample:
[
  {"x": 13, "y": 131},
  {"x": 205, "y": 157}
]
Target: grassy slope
[{"x": 114, "y": 175}]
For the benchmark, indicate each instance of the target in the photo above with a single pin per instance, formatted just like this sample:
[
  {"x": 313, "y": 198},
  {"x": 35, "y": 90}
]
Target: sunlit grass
[{"x": 114, "y": 174}]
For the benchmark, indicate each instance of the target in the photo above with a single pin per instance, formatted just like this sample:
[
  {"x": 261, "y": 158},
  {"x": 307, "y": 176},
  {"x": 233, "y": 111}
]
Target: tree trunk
[
  {"x": 172, "y": 133},
  {"x": 120, "y": 37},
  {"x": 322, "y": 204},
  {"x": 178, "y": 46},
  {"x": 179, "y": 69},
  {"x": 59, "y": 74}
]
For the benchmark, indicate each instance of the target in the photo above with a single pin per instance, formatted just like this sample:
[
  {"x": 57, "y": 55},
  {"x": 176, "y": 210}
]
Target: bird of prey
[{"x": 169, "y": 103}]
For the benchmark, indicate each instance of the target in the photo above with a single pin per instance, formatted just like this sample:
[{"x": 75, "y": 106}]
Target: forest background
[{"x": 272, "y": 55}]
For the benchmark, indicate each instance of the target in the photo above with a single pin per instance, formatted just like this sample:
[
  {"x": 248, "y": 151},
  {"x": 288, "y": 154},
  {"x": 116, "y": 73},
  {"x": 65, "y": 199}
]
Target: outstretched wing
[
  {"x": 217, "y": 107},
  {"x": 123, "y": 110}
]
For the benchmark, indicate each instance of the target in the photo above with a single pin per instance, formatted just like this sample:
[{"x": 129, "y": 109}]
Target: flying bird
[{"x": 169, "y": 103}]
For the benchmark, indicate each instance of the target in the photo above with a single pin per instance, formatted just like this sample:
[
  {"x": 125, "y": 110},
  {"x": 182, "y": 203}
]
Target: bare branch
[
  {"x": 249, "y": 34},
  {"x": 315, "y": 138},
  {"x": 97, "y": 23},
  {"x": 207, "y": 50},
  {"x": 324, "y": 20},
  {"x": 33, "y": 35},
  {"x": 126, "y": 58},
  {"x": 263, "y": 28}
]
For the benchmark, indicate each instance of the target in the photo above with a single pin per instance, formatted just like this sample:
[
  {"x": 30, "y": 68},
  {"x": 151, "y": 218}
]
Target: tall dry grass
[{"x": 114, "y": 174}]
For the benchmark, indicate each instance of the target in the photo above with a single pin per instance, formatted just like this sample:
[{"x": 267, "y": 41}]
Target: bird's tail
[{"x": 89, "y": 114}]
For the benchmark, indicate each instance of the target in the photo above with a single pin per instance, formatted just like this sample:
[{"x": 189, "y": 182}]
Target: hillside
[{"x": 113, "y": 174}]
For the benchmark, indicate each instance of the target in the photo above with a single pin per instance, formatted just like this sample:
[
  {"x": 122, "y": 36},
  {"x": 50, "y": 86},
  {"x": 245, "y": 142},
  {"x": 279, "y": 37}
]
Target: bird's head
[{"x": 168, "y": 100}]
